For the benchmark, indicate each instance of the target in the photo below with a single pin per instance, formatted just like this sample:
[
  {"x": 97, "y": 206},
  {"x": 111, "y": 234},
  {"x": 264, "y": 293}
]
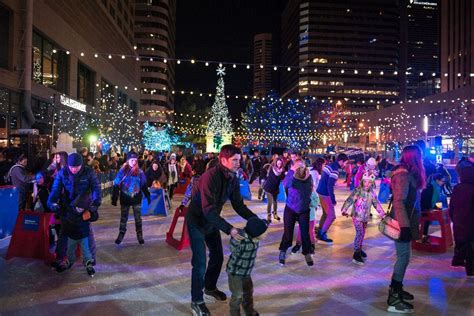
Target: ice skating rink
[{"x": 154, "y": 279}]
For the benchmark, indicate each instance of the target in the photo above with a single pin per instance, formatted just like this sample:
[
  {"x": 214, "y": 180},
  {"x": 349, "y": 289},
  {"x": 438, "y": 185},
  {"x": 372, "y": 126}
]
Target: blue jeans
[
  {"x": 202, "y": 277},
  {"x": 71, "y": 249},
  {"x": 403, "y": 259}
]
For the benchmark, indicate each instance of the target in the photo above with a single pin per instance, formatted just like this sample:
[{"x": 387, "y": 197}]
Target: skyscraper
[
  {"x": 262, "y": 55},
  {"x": 346, "y": 51},
  {"x": 421, "y": 24},
  {"x": 457, "y": 44},
  {"x": 155, "y": 36}
]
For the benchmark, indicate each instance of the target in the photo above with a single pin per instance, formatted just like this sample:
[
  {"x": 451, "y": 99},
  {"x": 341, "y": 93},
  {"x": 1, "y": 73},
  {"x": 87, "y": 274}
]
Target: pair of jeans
[
  {"x": 261, "y": 192},
  {"x": 272, "y": 202},
  {"x": 71, "y": 250},
  {"x": 62, "y": 245},
  {"x": 329, "y": 213},
  {"x": 201, "y": 277},
  {"x": 290, "y": 218},
  {"x": 242, "y": 294},
  {"x": 137, "y": 213},
  {"x": 403, "y": 250}
]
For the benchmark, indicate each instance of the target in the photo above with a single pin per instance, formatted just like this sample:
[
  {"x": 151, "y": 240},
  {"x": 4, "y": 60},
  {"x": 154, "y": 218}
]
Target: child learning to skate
[
  {"x": 361, "y": 200},
  {"x": 240, "y": 265}
]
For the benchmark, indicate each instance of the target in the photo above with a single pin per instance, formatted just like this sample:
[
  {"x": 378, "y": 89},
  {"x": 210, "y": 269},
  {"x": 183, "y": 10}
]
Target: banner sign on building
[{"x": 72, "y": 103}]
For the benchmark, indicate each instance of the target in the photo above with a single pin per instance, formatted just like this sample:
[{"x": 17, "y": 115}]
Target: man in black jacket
[{"x": 204, "y": 221}]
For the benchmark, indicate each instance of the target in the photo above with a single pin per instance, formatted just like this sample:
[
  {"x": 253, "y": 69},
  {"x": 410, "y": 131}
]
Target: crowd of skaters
[{"x": 68, "y": 186}]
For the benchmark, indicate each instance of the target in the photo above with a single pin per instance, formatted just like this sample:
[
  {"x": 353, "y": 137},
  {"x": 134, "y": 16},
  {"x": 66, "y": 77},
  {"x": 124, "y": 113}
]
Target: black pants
[
  {"x": 290, "y": 218},
  {"x": 254, "y": 176},
  {"x": 137, "y": 213},
  {"x": 171, "y": 188},
  {"x": 464, "y": 253},
  {"x": 202, "y": 277}
]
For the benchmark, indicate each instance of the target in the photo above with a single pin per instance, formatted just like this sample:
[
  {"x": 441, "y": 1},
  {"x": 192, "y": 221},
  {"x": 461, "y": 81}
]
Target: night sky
[{"x": 221, "y": 31}]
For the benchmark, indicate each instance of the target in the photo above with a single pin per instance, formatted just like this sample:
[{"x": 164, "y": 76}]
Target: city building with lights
[
  {"x": 457, "y": 44},
  {"x": 420, "y": 46},
  {"x": 262, "y": 56},
  {"x": 155, "y": 37},
  {"x": 73, "y": 61},
  {"x": 342, "y": 51}
]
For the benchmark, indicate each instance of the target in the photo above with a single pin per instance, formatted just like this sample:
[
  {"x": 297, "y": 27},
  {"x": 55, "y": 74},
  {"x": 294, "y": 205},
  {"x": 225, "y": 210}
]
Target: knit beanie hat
[
  {"x": 255, "y": 227},
  {"x": 132, "y": 155},
  {"x": 74, "y": 160},
  {"x": 302, "y": 173}
]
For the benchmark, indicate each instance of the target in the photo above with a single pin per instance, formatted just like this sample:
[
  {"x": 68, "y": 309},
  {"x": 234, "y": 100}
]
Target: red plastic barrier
[
  {"x": 183, "y": 242},
  {"x": 181, "y": 188},
  {"x": 436, "y": 244},
  {"x": 30, "y": 237}
]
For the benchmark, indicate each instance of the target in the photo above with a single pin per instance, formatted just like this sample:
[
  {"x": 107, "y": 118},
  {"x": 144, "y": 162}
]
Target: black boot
[
  {"x": 140, "y": 238},
  {"x": 119, "y": 239},
  {"x": 396, "y": 304},
  {"x": 407, "y": 297}
]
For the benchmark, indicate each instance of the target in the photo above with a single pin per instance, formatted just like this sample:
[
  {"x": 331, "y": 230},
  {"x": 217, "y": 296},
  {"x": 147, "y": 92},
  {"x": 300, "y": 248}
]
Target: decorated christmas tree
[
  {"x": 158, "y": 139},
  {"x": 274, "y": 121},
  {"x": 120, "y": 128},
  {"x": 219, "y": 128}
]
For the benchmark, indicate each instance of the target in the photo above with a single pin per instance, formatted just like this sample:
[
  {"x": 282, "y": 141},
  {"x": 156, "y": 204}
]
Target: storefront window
[
  {"x": 49, "y": 64},
  {"x": 85, "y": 84}
]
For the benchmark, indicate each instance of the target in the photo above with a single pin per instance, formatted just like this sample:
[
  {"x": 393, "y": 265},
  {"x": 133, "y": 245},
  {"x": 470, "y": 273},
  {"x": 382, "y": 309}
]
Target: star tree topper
[{"x": 221, "y": 71}]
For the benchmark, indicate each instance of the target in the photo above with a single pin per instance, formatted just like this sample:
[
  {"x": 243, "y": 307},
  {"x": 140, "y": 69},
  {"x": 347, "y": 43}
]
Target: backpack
[{"x": 8, "y": 176}]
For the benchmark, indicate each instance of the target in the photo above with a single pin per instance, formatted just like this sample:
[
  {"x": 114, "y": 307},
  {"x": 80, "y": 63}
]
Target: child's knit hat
[{"x": 255, "y": 227}]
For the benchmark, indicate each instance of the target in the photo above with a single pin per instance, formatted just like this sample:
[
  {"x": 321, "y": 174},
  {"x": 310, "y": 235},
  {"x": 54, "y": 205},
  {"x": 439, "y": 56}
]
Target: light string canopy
[{"x": 316, "y": 65}]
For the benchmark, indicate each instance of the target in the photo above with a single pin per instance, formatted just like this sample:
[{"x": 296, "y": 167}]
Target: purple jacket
[{"x": 299, "y": 192}]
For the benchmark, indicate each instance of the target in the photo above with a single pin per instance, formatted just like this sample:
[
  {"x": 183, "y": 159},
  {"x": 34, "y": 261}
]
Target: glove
[
  {"x": 114, "y": 202},
  {"x": 405, "y": 234},
  {"x": 55, "y": 207},
  {"x": 181, "y": 208}
]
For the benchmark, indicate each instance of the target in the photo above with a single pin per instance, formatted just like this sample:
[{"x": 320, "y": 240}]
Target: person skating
[
  {"x": 76, "y": 225},
  {"x": 327, "y": 198},
  {"x": 239, "y": 267},
  {"x": 129, "y": 184},
  {"x": 68, "y": 185},
  {"x": 461, "y": 210},
  {"x": 313, "y": 206},
  {"x": 215, "y": 187},
  {"x": 275, "y": 175},
  {"x": 299, "y": 184},
  {"x": 408, "y": 179},
  {"x": 360, "y": 201}
]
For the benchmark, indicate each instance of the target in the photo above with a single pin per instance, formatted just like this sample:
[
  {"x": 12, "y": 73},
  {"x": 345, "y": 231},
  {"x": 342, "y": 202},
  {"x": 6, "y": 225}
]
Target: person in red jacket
[{"x": 461, "y": 210}]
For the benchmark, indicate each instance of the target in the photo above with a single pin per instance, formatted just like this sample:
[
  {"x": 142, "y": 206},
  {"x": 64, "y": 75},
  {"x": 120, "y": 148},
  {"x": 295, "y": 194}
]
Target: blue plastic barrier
[
  {"x": 157, "y": 203},
  {"x": 281, "y": 195},
  {"x": 9, "y": 210},
  {"x": 245, "y": 190},
  {"x": 384, "y": 192}
]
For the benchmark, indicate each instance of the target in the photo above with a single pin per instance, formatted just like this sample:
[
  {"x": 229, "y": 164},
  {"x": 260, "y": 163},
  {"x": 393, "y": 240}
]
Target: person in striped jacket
[{"x": 327, "y": 199}]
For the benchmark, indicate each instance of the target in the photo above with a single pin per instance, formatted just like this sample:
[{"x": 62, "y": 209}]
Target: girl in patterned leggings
[{"x": 361, "y": 200}]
